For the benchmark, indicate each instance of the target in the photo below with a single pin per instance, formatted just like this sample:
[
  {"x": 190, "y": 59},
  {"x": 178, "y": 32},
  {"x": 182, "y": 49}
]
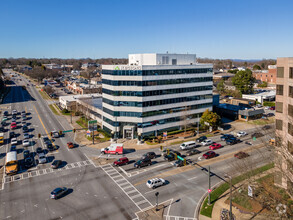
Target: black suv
[
  {"x": 169, "y": 157},
  {"x": 150, "y": 155},
  {"x": 201, "y": 139},
  {"x": 12, "y": 134},
  {"x": 143, "y": 163},
  {"x": 232, "y": 140},
  {"x": 226, "y": 136},
  {"x": 256, "y": 135}
]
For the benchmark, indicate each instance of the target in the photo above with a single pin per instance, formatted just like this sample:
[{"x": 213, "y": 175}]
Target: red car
[
  {"x": 121, "y": 161},
  {"x": 272, "y": 108},
  {"x": 215, "y": 146},
  {"x": 241, "y": 155},
  {"x": 209, "y": 154},
  {"x": 13, "y": 125}
]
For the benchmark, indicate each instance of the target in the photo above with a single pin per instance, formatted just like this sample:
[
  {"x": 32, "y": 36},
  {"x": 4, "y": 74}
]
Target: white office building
[{"x": 155, "y": 93}]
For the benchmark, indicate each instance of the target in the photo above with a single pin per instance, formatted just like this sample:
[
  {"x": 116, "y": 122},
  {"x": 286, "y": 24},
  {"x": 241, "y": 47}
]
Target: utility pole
[
  {"x": 157, "y": 198},
  {"x": 230, "y": 211},
  {"x": 93, "y": 136},
  {"x": 209, "y": 182}
]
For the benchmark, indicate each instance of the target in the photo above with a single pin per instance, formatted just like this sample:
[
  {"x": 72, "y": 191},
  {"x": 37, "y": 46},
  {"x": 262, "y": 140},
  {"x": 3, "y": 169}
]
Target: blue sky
[{"x": 250, "y": 29}]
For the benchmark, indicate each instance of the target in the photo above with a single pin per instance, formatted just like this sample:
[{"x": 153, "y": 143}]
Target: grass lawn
[
  {"x": 53, "y": 109},
  {"x": 43, "y": 94},
  {"x": 207, "y": 210},
  {"x": 83, "y": 122},
  {"x": 270, "y": 120}
]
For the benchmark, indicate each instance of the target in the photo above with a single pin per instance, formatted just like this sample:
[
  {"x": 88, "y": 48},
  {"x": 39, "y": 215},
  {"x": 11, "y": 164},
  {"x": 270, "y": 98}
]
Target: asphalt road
[{"x": 105, "y": 192}]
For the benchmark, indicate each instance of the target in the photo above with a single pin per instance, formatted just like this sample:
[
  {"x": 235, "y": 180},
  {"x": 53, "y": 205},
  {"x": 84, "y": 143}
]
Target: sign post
[{"x": 157, "y": 198}]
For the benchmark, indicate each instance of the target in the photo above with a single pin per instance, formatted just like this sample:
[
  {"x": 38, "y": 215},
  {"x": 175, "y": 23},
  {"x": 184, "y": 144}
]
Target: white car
[
  {"x": 42, "y": 158},
  {"x": 26, "y": 136},
  {"x": 267, "y": 107},
  {"x": 14, "y": 112},
  {"x": 13, "y": 141},
  {"x": 25, "y": 143},
  {"x": 156, "y": 182},
  {"x": 241, "y": 133},
  {"x": 207, "y": 142}
]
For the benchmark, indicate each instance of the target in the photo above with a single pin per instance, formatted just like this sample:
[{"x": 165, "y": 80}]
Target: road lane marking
[{"x": 192, "y": 178}]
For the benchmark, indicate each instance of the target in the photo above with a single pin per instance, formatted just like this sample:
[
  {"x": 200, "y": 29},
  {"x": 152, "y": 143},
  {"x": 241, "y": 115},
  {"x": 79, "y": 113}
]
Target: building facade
[
  {"x": 155, "y": 93},
  {"x": 284, "y": 124},
  {"x": 268, "y": 76}
]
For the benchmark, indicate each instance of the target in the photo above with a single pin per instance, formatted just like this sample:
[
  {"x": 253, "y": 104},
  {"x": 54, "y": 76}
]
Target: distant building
[
  {"x": 52, "y": 66},
  {"x": 284, "y": 125},
  {"x": 261, "y": 96},
  {"x": 24, "y": 67},
  {"x": 268, "y": 76},
  {"x": 88, "y": 65},
  {"x": 218, "y": 76},
  {"x": 75, "y": 72}
]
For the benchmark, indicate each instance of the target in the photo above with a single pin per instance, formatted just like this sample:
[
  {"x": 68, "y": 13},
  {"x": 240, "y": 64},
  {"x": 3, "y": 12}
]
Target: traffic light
[
  {"x": 161, "y": 148},
  {"x": 51, "y": 133},
  {"x": 175, "y": 156},
  {"x": 74, "y": 130},
  {"x": 60, "y": 133},
  {"x": 39, "y": 135},
  {"x": 168, "y": 151},
  {"x": 184, "y": 162}
]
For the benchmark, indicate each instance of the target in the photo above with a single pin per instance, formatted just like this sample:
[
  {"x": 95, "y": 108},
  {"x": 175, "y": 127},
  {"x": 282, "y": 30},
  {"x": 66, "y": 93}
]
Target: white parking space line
[{"x": 192, "y": 178}]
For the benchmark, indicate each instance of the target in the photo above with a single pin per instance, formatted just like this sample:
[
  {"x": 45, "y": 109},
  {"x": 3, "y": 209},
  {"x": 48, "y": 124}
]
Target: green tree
[
  {"x": 1, "y": 72},
  {"x": 221, "y": 86},
  {"x": 256, "y": 67},
  {"x": 263, "y": 84},
  {"x": 212, "y": 118},
  {"x": 263, "y": 65},
  {"x": 234, "y": 71},
  {"x": 244, "y": 80}
]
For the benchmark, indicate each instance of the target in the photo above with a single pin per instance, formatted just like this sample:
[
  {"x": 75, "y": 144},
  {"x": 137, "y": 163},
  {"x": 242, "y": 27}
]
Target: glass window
[
  {"x": 280, "y": 89},
  {"x": 290, "y": 110},
  {"x": 291, "y": 72},
  {"x": 279, "y": 124},
  {"x": 280, "y": 72},
  {"x": 290, "y": 147},
  {"x": 290, "y": 129},
  {"x": 279, "y": 107},
  {"x": 290, "y": 91}
]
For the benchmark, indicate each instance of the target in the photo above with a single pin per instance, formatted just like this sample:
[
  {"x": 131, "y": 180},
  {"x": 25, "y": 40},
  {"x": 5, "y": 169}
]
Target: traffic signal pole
[{"x": 209, "y": 173}]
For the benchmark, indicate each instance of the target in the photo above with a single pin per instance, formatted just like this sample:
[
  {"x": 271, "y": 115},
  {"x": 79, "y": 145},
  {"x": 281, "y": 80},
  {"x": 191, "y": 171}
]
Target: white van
[{"x": 188, "y": 145}]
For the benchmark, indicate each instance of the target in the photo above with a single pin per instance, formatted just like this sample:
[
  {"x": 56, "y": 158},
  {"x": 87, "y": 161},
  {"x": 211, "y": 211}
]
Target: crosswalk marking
[
  {"x": 135, "y": 194},
  {"x": 8, "y": 179}
]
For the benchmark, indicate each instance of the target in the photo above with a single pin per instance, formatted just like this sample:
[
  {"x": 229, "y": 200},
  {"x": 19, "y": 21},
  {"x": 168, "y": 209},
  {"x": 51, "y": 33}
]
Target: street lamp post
[
  {"x": 157, "y": 198},
  {"x": 230, "y": 212}
]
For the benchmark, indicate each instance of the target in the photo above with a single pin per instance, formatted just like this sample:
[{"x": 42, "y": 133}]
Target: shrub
[{"x": 65, "y": 110}]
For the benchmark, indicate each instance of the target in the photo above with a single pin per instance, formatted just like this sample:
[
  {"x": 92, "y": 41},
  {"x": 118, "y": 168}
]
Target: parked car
[
  {"x": 150, "y": 155},
  {"x": 201, "y": 139},
  {"x": 26, "y": 153},
  {"x": 270, "y": 114},
  {"x": 209, "y": 154},
  {"x": 258, "y": 105},
  {"x": 143, "y": 163},
  {"x": 39, "y": 150},
  {"x": 14, "y": 141},
  {"x": 188, "y": 145},
  {"x": 56, "y": 164},
  {"x": 256, "y": 135},
  {"x": 226, "y": 136},
  {"x": 4, "y": 118},
  {"x": 25, "y": 128},
  {"x": 273, "y": 108},
  {"x": 14, "y": 112},
  {"x": 23, "y": 123},
  {"x": 121, "y": 161},
  {"x": 13, "y": 148},
  {"x": 46, "y": 140},
  {"x": 28, "y": 162},
  {"x": 26, "y": 136},
  {"x": 241, "y": 155},
  {"x": 25, "y": 143},
  {"x": 156, "y": 182},
  {"x": 215, "y": 146},
  {"x": 42, "y": 158},
  {"x": 192, "y": 152},
  {"x": 178, "y": 163},
  {"x": 5, "y": 113},
  {"x": 241, "y": 134},
  {"x": 207, "y": 142},
  {"x": 12, "y": 134},
  {"x": 56, "y": 193},
  {"x": 267, "y": 107},
  {"x": 13, "y": 125}
]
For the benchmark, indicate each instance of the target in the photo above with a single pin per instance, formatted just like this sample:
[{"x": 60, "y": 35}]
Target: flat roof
[
  {"x": 96, "y": 102},
  {"x": 72, "y": 98}
]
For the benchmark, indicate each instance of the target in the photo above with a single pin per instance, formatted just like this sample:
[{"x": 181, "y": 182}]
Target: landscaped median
[
  {"x": 53, "y": 109},
  {"x": 207, "y": 210}
]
